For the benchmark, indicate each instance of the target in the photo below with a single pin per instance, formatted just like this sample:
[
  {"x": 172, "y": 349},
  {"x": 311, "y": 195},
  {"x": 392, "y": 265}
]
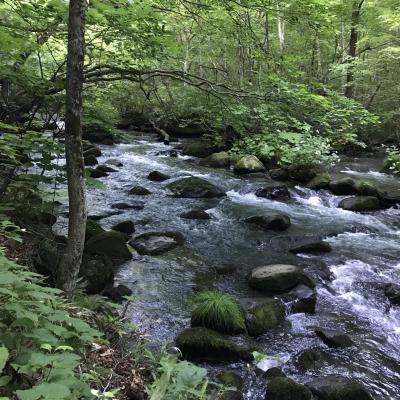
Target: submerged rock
[
  {"x": 202, "y": 344},
  {"x": 336, "y": 387},
  {"x": 392, "y": 292},
  {"x": 156, "y": 243},
  {"x": 105, "y": 168},
  {"x": 157, "y": 176},
  {"x": 343, "y": 186},
  {"x": 274, "y": 192},
  {"x": 115, "y": 162},
  {"x": 247, "y": 165},
  {"x": 360, "y": 204},
  {"x": 318, "y": 246},
  {"x": 137, "y": 205},
  {"x": 334, "y": 339},
  {"x": 276, "y": 221},
  {"x": 217, "y": 160},
  {"x": 321, "y": 181},
  {"x": 263, "y": 314},
  {"x": 287, "y": 389},
  {"x": 195, "y": 214},
  {"x": 194, "y": 187},
  {"x": 127, "y": 227},
  {"x": 109, "y": 243},
  {"x": 278, "y": 278},
  {"x": 139, "y": 191}
]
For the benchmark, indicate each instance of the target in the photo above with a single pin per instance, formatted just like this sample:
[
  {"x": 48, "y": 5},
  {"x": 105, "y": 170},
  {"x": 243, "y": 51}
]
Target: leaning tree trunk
[{"x": 70, "y": 263}]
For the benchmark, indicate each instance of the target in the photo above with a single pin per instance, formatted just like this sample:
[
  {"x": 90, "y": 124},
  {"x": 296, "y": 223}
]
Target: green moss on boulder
[
  {"x": 247, "y": 165},
  {"x": 194, "y": 187}
]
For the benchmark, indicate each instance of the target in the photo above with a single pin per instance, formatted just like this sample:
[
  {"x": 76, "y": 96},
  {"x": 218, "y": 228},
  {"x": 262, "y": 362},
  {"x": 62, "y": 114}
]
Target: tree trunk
[
  {"x": 355, "y": 20},
  {"x": 70, "y": 263},
  {"x": 281, "y": 29}
]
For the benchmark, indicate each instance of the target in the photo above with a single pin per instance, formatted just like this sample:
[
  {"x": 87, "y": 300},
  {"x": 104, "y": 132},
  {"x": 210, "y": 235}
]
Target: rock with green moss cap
[
  {"x": 321, "y": 181},
  {"x": 217, "y": 160},
  {"x": 156, "y": 243},
  {"x": 343, "y": 186},
  {"x": 248, "y": 165},
  {"x": 127, "y": 227},
  {"x": 202, "y": 344},
  {"x": 91, "y": 160},
  {"x": 232, "y": 380},
  {"x": 92, "y": 229},
  {"x": 139, "y": 191},
  {"x": 200, "y": 148},
  {"x": 279, "y": 278},
  {"x": 110, "y": 243},
  {"x": 194, "y": 187},
  {"x": 263, "y": 314},
  {"x": 360, "y": 204},
  {"x": 365, "y": 188},
  {"x": 287, "y": 389}
]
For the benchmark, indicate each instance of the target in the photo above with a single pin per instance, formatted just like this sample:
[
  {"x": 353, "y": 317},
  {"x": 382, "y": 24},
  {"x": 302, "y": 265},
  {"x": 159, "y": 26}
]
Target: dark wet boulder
[
  {"x": 103, "y": 214},
  {"x": 157, "y": 176},
  {"x": 156, "y": 243},
  {"x": 105, "y": 168},
  {"x": 139, "y": 191},
  {"x": 274, "y": 372},
  {"x": 337, "y": 387},
  {"x": 92, "y": 229},
  {"x": 247, "y": 165},
  {"x": 279, "y": 278},
  {"x": 301, "y": 299},
  {"x": 226, "y": 269},
  {"x": 389, "y": 199},
  {"x": 115, "y": 162},
  {"x": 97, "y": 272},
  {"x": 279, "y": 174},
  {"x": 117, "y": 293},
  {"x": 293, "y": 173},
  {"x": 95, "y": 135},
  {"x": 194, "y": 187},
  {"x": 275, "y": 221},
  {"x": 127, "y": 227},
  {"x": 392, "y": 292},
  {"x": 231, "y": 379},
  {"x": 308, "y": 359},
  {"x": 312, "y": 246},
  {"x": 96, "y": 173},
  {"x": 217, "y": 160},
  {"x": 365, "y": 188},
  {"x": 91, "y": 150},
  {"x": 202, "y": 344},
  {"x": 360, "y": 204},
  {"x": 91, "y": 160},
  {"x": 109, "y": 243},
  {"x": 195, "y": 214},
  {"x": 321, "y": 181},
  {"x": 200, "y": 149},
  {"x": 136, "y": 205},
  {"x": 274, "y": 192},
  {"x": 343, "y": 186},
  {"x": 263, "y": 314},
  {"x": 334, "y": 339},
  {"x": 287, "y": 389}
]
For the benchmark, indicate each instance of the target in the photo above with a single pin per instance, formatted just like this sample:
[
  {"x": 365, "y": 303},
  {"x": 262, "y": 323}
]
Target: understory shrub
[
  {"x": 392, "y": 160},
  {"x": 218, "y": 311}
]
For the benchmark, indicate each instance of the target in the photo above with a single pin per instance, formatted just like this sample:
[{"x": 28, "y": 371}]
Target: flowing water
[{"x": 350, "y": 279}]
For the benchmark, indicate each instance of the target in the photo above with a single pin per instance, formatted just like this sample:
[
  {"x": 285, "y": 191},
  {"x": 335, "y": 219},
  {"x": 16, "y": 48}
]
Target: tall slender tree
[{"x": 70, "y": 263}]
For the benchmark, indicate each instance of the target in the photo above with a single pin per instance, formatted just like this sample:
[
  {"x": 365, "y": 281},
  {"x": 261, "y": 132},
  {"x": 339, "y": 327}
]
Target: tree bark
[
  {"x": 355, "y": 21},
  {"x": 70, "y": 263}
]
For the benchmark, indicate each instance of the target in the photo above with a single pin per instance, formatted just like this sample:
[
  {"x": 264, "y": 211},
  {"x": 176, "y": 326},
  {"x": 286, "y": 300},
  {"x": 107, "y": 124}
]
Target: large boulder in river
[
  {"x": 392, "y": 292},
  {"x": 156, "y": 243},
  {"x": 139, "y": 191},
  {"x": 97, "y": 272},
  {"x": 194, "y": 187},
  {"x": 343, "y": 186},
  {"x": 91, "y": 160},
  {"x": 92, "y": 229},
  {"x": 91, "y": 149},
  {"x": 275, "y": 221},
  {"x": 195, "y": 214},
  {"x": 109, "y": 243},
  {"x": 199, "y": 149},
  {"x": 301, "y": 299},
  {"x": 233, "y": 381},
  {"x": 279, "y": 278},
  {"x": 321, "y": 181},
  {"x": 293, "y": 173},
  {"x": 157, "y": 176},
  {"x": 263, "y": 314},
  {"x": 247, "y": 165},
  {"x": 274, "y": 192},
  {"x": 202, "y": 344},
  {"x": 334, "y": 339},
  {"x": 312, "y": 246},
  {"x": 217, "y": 160},
  {"x": 287, "y": 389},
  {"x": 360, "y": 204},
  {"x": 127, "y": 227},
  {"x": 337, "y": 387},
  {"x": 94, "y": 135}
]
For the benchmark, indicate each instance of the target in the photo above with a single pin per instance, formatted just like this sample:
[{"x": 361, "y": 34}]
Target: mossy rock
[
  {"x": 200, "y": 149},
  {"x": 126, "y": 227},
  {"x": 91, "y": 150},
  {"x": 157, "y": 176},
  {"x": 93, "y": 229},
  {"x": 321, "y": 181},
  {"x": 97, "y": 271},
  {"x": 247, "y": 165},
  {"x": 231, "y": 379},
  {"x": 156, "y": 243},
  {"x": 217, "y": 160},
  {"x": 360, "y": 204},
  {"x": 263, "y": 315},
  {"x": 365, "y": 188},
  {"x": 194, "y": 187},
  {"x": 91, "y": 160},
  {"x": 110, "y": 243},
  {"x": 343, "y": 186},
  {"x": 202, "y": 344},
  {"x": 96, "y": 173},
  {"x": 287, "y": 389},
  {"x": 139, "y": 191}
]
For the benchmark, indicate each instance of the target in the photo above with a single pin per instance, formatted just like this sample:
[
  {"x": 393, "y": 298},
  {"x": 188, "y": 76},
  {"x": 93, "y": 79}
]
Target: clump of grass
[{"x": 218, "y": 311}]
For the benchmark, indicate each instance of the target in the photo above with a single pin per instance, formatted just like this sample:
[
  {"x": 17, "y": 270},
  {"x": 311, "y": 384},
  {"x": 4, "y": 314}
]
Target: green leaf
[
  {"x": 4, "y": 354},
  {"x": 45, "y": 391}
]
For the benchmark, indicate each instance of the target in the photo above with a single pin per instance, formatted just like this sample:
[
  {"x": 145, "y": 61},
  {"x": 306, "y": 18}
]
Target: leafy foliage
[
  {"x": 392, "y": 160},
  {"x": 218, "y": 311}
]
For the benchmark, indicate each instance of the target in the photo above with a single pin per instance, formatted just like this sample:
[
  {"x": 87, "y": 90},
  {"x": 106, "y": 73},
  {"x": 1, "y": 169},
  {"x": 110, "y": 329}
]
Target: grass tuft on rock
[{"x": 218, "y": 311}]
